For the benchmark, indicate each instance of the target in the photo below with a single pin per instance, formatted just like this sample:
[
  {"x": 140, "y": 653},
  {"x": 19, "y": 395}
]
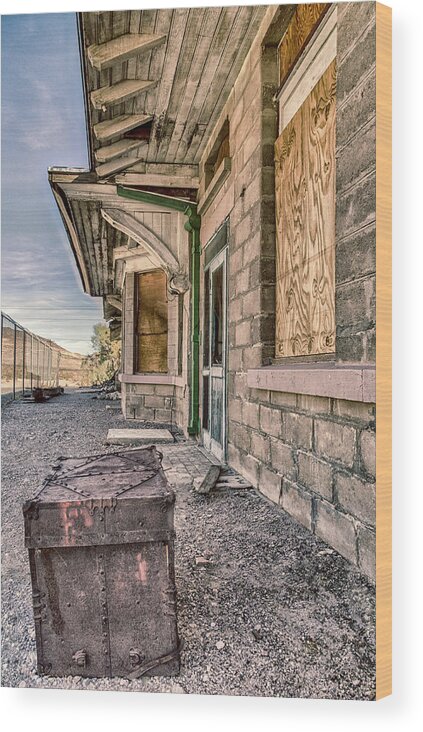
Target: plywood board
[
  {"x": 152, "y": 322},
  {"x": 305, "y": 225},
  {"x": 302, "y": 26}
]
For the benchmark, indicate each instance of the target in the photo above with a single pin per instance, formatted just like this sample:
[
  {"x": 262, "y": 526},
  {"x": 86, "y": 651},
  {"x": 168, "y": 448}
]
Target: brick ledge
[{"x": 354, "y": 382}]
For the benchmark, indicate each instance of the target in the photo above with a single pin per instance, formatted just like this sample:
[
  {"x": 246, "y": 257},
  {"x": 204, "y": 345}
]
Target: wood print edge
[{"x": 383, "y": 351}]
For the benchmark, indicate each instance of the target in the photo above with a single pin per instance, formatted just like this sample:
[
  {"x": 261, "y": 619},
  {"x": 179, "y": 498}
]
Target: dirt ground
[{"x": 275, "y": 613}]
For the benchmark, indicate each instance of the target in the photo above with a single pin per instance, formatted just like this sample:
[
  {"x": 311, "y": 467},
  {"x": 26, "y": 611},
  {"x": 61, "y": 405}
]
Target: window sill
[
  {"x": 353, "y": 382},
  {"x": 215, "y": 185},
  {"x": 151, "y": 379}
]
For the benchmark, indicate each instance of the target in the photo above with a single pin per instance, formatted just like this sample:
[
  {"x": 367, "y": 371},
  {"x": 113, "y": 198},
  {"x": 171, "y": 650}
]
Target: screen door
[{"x": 214, "y": 357}]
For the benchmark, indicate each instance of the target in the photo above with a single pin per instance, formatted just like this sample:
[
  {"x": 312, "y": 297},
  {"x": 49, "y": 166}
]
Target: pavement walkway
[{"x": 275, "y": 612}]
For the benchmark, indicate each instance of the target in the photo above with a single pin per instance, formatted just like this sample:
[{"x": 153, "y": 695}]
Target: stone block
[
  {"x": 251, "y": 357},
  {"x": 282, "y": 458},
  {"x": 356, "y": 255},
  {"x": 260, "y": 447},
  {"x": 243, "y": 333},
  {"x": 297, "y": 430},
  {"x": 358, "y": 109},
  {"x": 335, "y": 441},
  {"x": 164, "y": 415},
  {"x": 270, "y": 484},
  {"x": 283, "y": 399},
  {"x": 315, "y": 474},
  {"x": 357, "y": 158},
  {"x": 350, "y": 348},
  {"x": 356, "y": 208},
  {"x": 313, "y": 404},
  {"x": 251, "y": 303},
  {"x": 296, "y": 502},
  {"x": 250, "y": 414},
  {"x": 240, "y": 436},
  {"x": 368, "y": 451},
  {"x": 355, "y": 304},
  {"x": 154, "y": 401},
  {"x": 351, "y": 23},
  {"x": 270, "y": 421},
  {"x": 356, "y": 65},
  {"x": 336, "y": 529},
  {"x": 144, "y": 413},
  {"x": 235, "y": 410},
  {"x": 357, "y": 497},
  {"x": 367, "y": 552}
]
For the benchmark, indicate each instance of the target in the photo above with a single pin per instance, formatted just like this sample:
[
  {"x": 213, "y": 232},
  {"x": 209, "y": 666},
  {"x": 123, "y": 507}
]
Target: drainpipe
[{"x": 192, "y": 225}]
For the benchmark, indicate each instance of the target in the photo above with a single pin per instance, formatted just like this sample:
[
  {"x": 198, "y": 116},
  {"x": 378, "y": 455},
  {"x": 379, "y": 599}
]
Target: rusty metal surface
[{"x": 100, "y": 539}]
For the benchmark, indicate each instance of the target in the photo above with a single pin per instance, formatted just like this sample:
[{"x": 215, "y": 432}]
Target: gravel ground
[{"x": 275, "y": 613}]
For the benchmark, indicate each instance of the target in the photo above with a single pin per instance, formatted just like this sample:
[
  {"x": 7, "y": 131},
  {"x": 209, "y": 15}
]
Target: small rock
[{"x": 219, "y": 645}]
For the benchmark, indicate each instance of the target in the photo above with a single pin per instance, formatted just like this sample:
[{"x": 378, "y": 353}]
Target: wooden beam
[
  {"x": 115, "y": 166},
  {"x": 107, "y": 96},
  {"x": 105, "y": 131},
  {"x": 117, "y": 149},
  {"x": 154, "y": 179},
  {"x": 104, "y": 55},
  {"x": 142, "y": 234},
  {"x": 114, "y": 301}
]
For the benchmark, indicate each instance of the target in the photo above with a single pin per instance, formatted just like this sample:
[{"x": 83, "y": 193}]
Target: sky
[{"x": 43, "y": 125}]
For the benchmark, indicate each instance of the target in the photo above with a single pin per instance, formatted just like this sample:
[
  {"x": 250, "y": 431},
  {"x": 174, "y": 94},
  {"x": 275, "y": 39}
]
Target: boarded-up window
[
  {"x": 305, "y": 225},
  {"x": 152, "y": 322}
]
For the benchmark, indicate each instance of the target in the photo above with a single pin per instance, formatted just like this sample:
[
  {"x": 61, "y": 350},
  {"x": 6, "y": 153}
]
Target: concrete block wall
[
  {"x": 356, "y": 183},
  {"x": 150, "y": 402},
  {"x": 312, "y": 456}
]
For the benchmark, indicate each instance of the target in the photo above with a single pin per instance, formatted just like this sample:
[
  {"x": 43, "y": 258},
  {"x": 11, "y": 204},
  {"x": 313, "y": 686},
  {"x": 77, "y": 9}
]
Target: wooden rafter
[
  {"x": 107, "y": 96},
  {"x": 105, "y": 131},
  {"x": 117, "y": 149},
  {"x": 119, "y": 49}
]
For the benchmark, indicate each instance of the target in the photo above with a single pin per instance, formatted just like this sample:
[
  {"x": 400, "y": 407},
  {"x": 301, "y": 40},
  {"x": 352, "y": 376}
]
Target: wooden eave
[{"x": 206, "y": 46}]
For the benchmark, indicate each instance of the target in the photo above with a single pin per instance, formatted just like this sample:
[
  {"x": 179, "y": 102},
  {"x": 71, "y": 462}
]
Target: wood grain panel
[
  {"x": 302, "y": 26},
  {"x": 383, "y": 351},
  {"x": 152, "y": 322},
  {"x": 305, "y": 225}
]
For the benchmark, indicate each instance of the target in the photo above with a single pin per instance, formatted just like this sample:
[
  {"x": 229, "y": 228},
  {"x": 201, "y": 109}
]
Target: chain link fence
[{"x": 27, "y": 361}]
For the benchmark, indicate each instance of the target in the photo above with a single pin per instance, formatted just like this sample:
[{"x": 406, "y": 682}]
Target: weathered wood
[
  {"x": 119, "y": 49},
  {"x": 153, "y": 179},
  {"x": 216, "y": 49},
  {"x": 115, "y": 166},
  {"x": 152, "y": 322},
  {"x": 117, "y": 149},
  {"x": 306, "y": 18},
  {"x": 107, "y": 130},
  {"x": 100, "y": 538},
  {"x": 305, "y": 225},
  {"x": 108, "y": 96},
  {"x": 142, "y": 234}
]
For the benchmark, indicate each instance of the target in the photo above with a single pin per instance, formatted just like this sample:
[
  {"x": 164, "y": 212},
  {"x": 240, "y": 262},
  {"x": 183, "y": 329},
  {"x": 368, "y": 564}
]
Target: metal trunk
[{"x": 100, "y": 538}]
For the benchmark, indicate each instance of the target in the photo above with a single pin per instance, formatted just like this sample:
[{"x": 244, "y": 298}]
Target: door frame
[{"x": 217, "y": 449}]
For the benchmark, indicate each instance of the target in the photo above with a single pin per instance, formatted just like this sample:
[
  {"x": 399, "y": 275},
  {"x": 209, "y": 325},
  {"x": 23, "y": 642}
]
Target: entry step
[{"x": 139, "y": 437}]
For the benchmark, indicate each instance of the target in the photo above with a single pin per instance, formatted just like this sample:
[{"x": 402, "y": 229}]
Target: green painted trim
[
  {"x": 192, "y": 225},
  {"x": 176, "y": 204}
]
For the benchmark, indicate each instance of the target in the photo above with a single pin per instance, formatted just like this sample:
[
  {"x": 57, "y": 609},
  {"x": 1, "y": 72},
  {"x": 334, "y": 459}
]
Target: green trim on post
[{"x": 192, "y": 225}]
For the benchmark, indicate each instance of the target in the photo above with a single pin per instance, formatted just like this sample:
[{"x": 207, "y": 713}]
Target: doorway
[{"x": 215, "y": 356}]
